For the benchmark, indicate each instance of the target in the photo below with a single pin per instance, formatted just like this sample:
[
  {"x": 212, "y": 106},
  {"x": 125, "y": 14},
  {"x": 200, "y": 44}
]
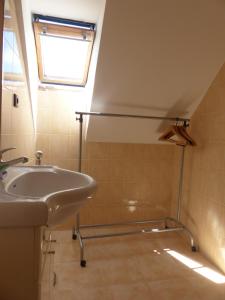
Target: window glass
[{"x": 64, "y": 58}]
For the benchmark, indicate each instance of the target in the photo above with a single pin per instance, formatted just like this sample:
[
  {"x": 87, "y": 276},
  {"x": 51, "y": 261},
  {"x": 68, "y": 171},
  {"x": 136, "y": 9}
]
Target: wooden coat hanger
[
  {"x": 178, "y": 135},
  {"x": 183, "y": 132}
]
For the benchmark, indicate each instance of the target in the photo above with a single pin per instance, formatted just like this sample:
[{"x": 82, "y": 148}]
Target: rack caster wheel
[
  {"x": 83, "y": 263},
  {"x": 74, "y": 236},
  {"x": 193, "y": 249}
]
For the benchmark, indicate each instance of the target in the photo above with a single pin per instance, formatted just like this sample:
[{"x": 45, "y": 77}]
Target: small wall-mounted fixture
[
  {"x": 38, "y": 156},
  {"x": 15, "y": 100}
]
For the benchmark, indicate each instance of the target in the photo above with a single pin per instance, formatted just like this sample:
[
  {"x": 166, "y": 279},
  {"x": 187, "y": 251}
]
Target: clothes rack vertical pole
[
  {"x": 76, "y": 230},
  {"x": 180, "y": 187}
]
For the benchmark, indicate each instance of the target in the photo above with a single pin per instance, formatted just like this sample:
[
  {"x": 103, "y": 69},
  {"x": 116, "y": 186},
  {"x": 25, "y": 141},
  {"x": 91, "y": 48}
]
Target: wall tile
[
  {"x": 43, "y": 144},
  {"x": 44, "y": 120},
  {"x": 204, "y": 192}
]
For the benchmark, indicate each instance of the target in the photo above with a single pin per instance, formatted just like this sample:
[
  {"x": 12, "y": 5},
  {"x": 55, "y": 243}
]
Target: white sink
[{"x": 42, "y": 195}]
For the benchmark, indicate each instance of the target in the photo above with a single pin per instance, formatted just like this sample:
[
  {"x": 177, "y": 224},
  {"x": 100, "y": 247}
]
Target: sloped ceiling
[
  {"x": 156, "y": 57},
  {"x": 84, "y": 10}
]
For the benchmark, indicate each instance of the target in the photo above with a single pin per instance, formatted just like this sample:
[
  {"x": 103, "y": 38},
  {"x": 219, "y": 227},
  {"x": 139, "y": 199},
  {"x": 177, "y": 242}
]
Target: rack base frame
[{"x": 168, "y": 224}]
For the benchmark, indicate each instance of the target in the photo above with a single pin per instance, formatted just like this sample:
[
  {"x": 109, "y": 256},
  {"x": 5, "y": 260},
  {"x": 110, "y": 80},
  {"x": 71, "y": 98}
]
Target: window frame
[{"x": 56, "y": 27}]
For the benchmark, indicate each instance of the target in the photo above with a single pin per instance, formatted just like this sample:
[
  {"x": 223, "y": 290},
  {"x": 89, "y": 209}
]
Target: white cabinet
[
  {"x": 26, "y": 264},
  {"x": 19, "y": 263}
]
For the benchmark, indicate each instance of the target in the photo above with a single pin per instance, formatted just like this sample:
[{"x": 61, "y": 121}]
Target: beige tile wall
[
  {"x": 57, "y": 129},
  {"x": 16, "y": 123},
  {"x": 134, "y": 181},
  {"x": 204, "y": 191}
]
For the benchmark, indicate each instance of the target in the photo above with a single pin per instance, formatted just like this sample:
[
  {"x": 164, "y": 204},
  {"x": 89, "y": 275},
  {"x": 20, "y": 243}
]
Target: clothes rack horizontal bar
[
  {"x": 123, "y": 223},
  {"x": 100, "y": 114},
  {"x": 153, "y": 230}
]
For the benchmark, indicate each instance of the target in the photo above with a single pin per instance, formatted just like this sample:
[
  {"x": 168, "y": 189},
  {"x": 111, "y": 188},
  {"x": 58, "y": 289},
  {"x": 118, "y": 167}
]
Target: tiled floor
[{"x": 130, "y": 268}]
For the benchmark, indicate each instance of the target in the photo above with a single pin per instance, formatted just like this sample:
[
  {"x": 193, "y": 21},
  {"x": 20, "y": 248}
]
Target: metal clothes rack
[{"x": 170, "y": 224}]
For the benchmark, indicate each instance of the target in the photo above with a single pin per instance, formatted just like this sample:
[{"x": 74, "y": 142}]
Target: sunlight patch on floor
[{"x": 197, "y": 267}]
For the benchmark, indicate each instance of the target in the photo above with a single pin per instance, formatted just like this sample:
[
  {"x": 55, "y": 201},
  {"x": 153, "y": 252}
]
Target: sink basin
[{"x": 42, "y": 195}]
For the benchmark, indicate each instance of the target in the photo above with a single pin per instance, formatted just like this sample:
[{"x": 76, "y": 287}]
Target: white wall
[{"x": 156, "y": 57}]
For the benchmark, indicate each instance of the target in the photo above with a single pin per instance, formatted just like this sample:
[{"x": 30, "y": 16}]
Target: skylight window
[{"x": 63, "y": 50}]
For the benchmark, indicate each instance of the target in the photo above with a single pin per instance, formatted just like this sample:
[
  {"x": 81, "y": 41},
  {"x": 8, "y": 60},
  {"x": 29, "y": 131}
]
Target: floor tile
[{"x": 130, "y": 268}]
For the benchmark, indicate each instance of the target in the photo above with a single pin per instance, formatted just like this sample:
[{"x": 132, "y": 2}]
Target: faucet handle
[
  {"x": 38, "y": 156},
  {"x": 5, "y": 150}
]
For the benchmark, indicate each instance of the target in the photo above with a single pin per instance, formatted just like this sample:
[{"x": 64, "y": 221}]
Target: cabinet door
[{"x": 47, "y": 275}]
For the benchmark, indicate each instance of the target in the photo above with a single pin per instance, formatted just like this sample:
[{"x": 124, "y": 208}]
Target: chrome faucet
[
  {"x": 38, "y": 156},
  {"x": 5, "y": 164}
]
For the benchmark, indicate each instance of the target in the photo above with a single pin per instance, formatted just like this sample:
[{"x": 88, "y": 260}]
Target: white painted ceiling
[
  {"x": 82, "y": 10},
  {"x": 156, "y": 57}
]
